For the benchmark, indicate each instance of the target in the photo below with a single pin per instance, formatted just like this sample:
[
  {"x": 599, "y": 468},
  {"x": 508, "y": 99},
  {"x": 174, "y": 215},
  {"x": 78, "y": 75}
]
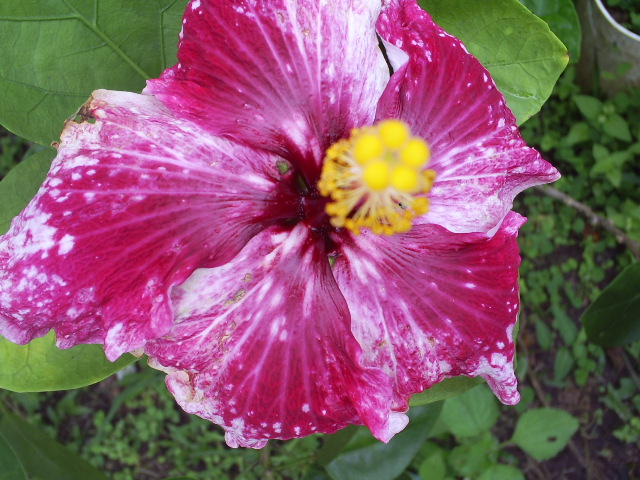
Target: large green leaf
[
  {"x": 562, "y": 18},
  {"x": 524, "y": 57},
  {"x": 10, "y": 468},
  {"x": 544, "y": 432},
  {"x": 61, "y": 50},
  {"x": 365, "y": 458},
  {"x": 40, "y": 366},
  {"x": 614, "y": 317},
  {"x": 471, "y": 413},
  {"x": 446, "y": 389},
  {"x": 333, "y": 444},
  {"x": 21, "y": 184},
  {"x": 40, "y": 456}
]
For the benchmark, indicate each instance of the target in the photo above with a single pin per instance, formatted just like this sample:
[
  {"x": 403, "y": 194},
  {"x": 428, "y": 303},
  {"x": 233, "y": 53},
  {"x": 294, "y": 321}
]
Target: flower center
[{"x": 376, "y": 179}]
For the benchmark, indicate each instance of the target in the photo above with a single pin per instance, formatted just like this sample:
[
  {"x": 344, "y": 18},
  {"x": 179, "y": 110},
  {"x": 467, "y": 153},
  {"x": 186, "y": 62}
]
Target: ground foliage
[{"x": 566, "y": 263}]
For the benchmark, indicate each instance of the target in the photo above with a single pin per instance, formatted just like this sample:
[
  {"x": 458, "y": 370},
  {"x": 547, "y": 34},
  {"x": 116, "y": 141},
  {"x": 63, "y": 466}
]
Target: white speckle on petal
[
  {"x": 112, "y": 334},
  {"x": 66, "y": 244},
  {"x": 79, "y": 161}
]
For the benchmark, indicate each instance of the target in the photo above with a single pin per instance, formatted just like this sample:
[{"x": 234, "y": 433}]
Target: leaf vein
[
  {"x": 41, "y": 89},
  {"x": 103, "y": 36}
]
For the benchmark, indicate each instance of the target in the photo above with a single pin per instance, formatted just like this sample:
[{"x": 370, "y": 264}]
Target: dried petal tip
[{"x": 376, "y": 179}]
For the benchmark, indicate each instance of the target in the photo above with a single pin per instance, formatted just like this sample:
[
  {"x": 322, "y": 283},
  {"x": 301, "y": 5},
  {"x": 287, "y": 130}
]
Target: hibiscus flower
[{"x": 304, "y": 222}]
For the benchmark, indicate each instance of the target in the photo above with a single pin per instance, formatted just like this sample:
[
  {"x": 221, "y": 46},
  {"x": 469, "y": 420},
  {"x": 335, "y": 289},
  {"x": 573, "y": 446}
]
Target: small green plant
[
  {"x": 597, "y": 152},
  {"x": 568, "y": 260},
  {"x": 625, "y": 402},
  {"x": 476, "y": 452}
]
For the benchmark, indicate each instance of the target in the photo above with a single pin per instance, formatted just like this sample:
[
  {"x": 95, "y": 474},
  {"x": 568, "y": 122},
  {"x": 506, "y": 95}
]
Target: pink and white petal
[
  {"x": 262, "y": 347},
  {"x": 432, "y": 304},
  {"x": 449, "y": 99},
  {"x": 134, "y": 202},
  {"x": 289, "y": 76}
]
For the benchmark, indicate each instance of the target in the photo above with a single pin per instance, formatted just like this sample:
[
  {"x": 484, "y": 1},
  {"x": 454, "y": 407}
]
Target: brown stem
[{"x": 594, "y": 218}]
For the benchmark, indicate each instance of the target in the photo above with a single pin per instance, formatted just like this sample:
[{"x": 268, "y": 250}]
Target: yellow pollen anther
[
  {"x": 404, "y": 178},
  {"x": 416, "y": 153},
  {"x": 376, "y": 175},
  {"x": 368, "y": 147},
  {"x": 376, "y": 179},
  {"x": 394, "y": 133}
]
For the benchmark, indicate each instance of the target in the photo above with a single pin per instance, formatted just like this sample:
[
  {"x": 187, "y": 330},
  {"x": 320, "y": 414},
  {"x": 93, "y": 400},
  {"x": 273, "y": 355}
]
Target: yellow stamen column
[{"x": 376, "y": 179}]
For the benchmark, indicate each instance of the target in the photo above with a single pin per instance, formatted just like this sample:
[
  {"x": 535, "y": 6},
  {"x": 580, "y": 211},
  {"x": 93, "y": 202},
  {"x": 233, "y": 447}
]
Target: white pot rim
[{"x": 615, "y": 24}]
